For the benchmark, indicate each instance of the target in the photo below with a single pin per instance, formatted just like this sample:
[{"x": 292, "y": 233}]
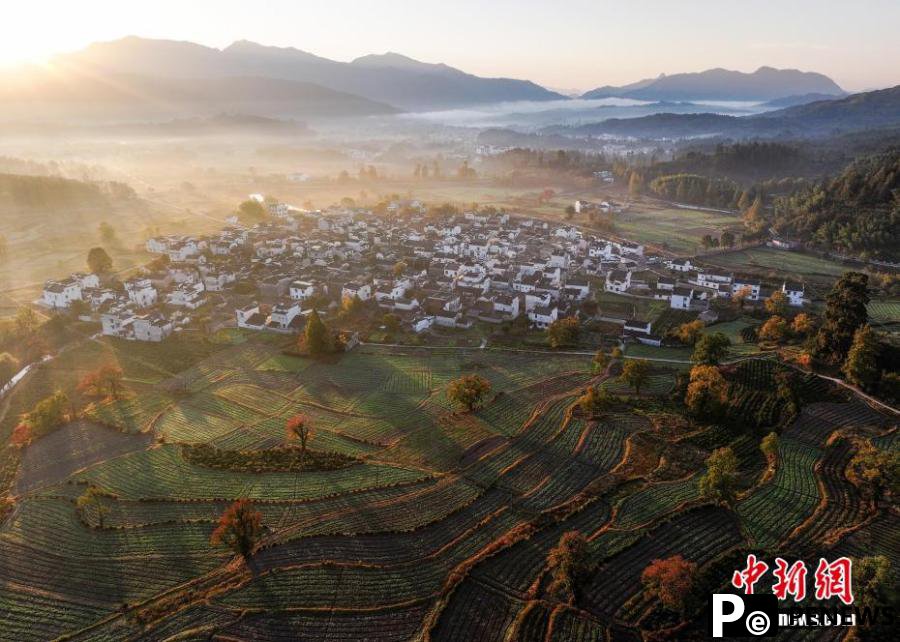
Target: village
[{"x": 468, "y": 267}]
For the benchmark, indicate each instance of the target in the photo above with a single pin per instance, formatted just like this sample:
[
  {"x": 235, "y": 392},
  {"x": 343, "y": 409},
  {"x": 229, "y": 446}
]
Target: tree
[
  {"x": 635, "y": 184},
  {"x": 861, "y": 366},
  {"x": 670, "y": 580},
  {"x": 92, "y": 497},
  {"x": 769, "y": 446},
  {"x": 872, "y": 580},
  {"x": 468, "y": 390},
  {"x": 776, "y": 304},
  {"x": 721, "y": 474},
  {"x": 741, "y": 295},
  {"x": 599, "y": 362},
  {"x": 98, "y": 260},
  {"x": 316, "y": 337},
  {"x": 352, "y": 306},
  {"x": 689, "y": 333},
  {"x": 48, "y": 413},
  {"x": 845, "y": 312},
  {"x": 27, "y": 321},
  {"x": 710, "y": 349},
  {"x": 616, "y": 353},
  {"x": 635, "y": 373},
  {"x": 875, "y": 471},
  {"x": 391, "y": 322},
  {"x": 399, "y": 268},
  {"x": 707, "y": 392},
  {"x": 239, "y": 528},
  {"x": 105, "y": 381},
  {"x": 9, "y": 366},
  {"x": 251, "y": 211},
  {"x": 774, "y": 329},
  {"x": 594, "y": 400},
  {"x": 570, "y": 212},
  {"x": 563, "y": 332},
  {"x": 727, "y": 239},
  {"x": 298, "y": 428},
  {"x": 107, "y": 233},
  {"x": 567, "y": 563},
  {"x": 802, "y": 324}
]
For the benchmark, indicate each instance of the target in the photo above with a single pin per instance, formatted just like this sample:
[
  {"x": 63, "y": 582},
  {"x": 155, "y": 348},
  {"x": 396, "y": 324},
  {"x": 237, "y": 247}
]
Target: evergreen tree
[
  {"x": 316, "y": 337},
  {"x": 845, "y": 312},
  {"x": 861, "y": 367}
]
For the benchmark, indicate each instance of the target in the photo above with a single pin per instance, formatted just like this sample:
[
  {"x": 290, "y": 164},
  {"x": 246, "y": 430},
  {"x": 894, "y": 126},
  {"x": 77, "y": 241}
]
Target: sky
[{"x": 562, "y": 44}]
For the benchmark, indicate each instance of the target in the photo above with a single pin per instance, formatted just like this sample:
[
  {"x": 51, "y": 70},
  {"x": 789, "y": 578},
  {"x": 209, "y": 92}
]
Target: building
[
  {"x": 794, "y": 293},
  {"x": 617, "y": 281},
  {"x": 681, "y": 298}
]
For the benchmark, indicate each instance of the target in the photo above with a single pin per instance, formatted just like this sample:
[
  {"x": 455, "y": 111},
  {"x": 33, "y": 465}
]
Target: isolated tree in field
[
  {"x": 875, "y": 471},
  {"x": 707, "y": 392},
  {"x": 563, "y": 332},
  {"x": 845, "y": 312},
  {"x": 567, "y": 563},
  {"x": 105, "y": 381},
  {"x": 48, "y": 413},
  {"x": 316, "y": 337},
  {"x": 769, "y": 446},
  {"x": 802, "y": 324},
  {"x": 774, "y": 329},
  {"x": 776, "y": 304},
  {"x": 27, "y": 321},
  {"x": 727, "y": 239},
  {"x": 595, "y": 399},
  {"x": 599, "y": 362},
  {"x": 107, "y": 233},
  {"x": 239, "y": 528},
  {"x": 861, "y": 366},
  {"x": 468, "y": 390},
  {"x": 635, "y": 184},
  {"x": 635, "y": 373},
  {"x": 719, "y": 481},
  {"x": 251, "y": 211},
  {"x": 92, "y": 498},
  {"x": 710, "y": 349},
  {"x": 98, "y": 260},
  {"x": 670, "y": 580},
  {"x": 9, "y": 366},
  {"x": 299, "y": 429},
  {"x": 689, "y": 333},
  {"x": 872, "y": 580}
]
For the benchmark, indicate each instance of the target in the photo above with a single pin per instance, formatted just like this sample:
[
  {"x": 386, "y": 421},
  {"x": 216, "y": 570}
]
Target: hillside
[
  {"x": 391, "y": 78},
  {"x": 764, "y": 84},
  {"x": 69, "y": 95},
  {"x": 857, "y": 212}
]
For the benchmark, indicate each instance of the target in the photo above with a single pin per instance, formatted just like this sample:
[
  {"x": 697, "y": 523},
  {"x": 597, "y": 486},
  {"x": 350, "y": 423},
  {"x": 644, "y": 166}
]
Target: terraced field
[{"x": 439, "y": 527}]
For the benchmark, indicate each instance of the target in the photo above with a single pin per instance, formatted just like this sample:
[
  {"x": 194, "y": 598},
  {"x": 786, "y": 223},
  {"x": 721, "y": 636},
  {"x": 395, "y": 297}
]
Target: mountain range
[
  {"x": 764, "y": 84},
  {"x": 857, "y": 112},
  {"x": 391, "y": 78}
]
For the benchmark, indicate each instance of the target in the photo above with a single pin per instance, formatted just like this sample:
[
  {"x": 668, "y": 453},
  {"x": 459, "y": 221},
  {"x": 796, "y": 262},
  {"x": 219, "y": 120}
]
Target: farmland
[{"x": 439, "y": 523}]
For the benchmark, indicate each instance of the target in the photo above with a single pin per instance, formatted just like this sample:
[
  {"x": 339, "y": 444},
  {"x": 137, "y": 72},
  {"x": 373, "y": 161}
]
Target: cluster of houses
[{"x": 449, "y": 273}]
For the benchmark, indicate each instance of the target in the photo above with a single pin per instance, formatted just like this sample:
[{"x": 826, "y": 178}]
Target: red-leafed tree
[
  {"x": 670, "y": 580},
  {"x": 239, "y": 528}
]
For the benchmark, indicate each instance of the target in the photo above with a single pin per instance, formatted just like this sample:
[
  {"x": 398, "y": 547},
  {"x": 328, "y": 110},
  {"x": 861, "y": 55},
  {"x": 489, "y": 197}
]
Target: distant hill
[
  {"x": 73, "y": 96},
  {"x": 858, "y": 112},
  {"x": 800, "y": 99},
  {"x": 390, "y": 78},
  {"x": 764, "y": 84}
]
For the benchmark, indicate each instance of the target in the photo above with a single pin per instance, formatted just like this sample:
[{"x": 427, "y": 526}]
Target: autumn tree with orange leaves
[
  {"x": 670, "y": 580},
  {"x": 239, "y": 528}
]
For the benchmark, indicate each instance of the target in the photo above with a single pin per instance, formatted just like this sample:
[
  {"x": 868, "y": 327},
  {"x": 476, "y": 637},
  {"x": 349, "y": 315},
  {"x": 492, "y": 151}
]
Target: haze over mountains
[
  {"x": 764, "y": 84},
  {"x": 134, "y": 80}
]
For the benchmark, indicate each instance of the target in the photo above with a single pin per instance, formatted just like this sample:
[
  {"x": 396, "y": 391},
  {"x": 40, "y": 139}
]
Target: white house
[
  {"x": 151, "y": 327},
  {"x": 60, "y": 294},
  {"x": 543, "y": 316},
  {"x": 250, "y": 317},
  {"x": 507, "y": 304},
  {"x": 681, "y": 298},
  {"x": 363, "y": 291},
  {"x": 420, "y": 324},
  {"x": 187, "y": 296},
  {"x": 750, "y": 287},
  {"x": 141, "y": 292},
  {"x": 578, "y": 288},
  {"x": 302, "y": 290},
  {"x": 617, "y": 281},
  {"x": 680, "y": 265},
  {"x": 283, "y": 316},
  {"x": 794, "y": 292}
]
